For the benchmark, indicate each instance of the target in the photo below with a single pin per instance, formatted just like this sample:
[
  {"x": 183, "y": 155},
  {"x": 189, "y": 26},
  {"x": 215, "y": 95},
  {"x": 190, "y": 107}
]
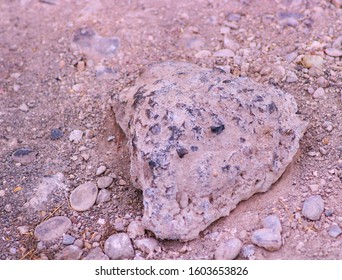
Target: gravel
[{"x": 313, "y": 207}]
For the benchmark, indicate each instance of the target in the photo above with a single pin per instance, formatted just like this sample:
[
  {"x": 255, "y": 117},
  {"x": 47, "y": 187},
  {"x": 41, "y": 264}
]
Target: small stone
[
  {"x": 100, "y": 170},
  {"x": 96, "y": 254},
  {"x": 79, "y": 243},
  {"x": 103, "y": 196},
  {"x": 24, "y": 108},
  {"x": 247, "y": 251},
  {"x": 313, "y": 207},
  {"x": 322, "y": 82},
  {"x": 101, "y": 221},
  {"x": 122, "y": 182},
  {"x": 272, "y": 222},
  {"x": 23, "y": 229},
  {"x": 147, "y": 245},
  {"x": 2, "y": 193},
  {"x": 135, "y": 229},
  {"x": 224, "y": 30},
  {"x": 312, "y": 154},
  {"x": 13, "y": 251},
  {"x": 323, "y": 151},
  {"x": 267, "y": 238},
  {"x": 228, "y": 250},
  {"x": 335, "y": 231},
  {"x": 203, "y": 54},
  {"x": 314, "y": 188},
  {"x": 76, "y": 136},
  {"x": 52, "y": 228},
  {"x": 83, "y": 197},
  {"x": 224, "y": 53},
  {"x": 315, "y": 72},
  {"x": 309, "y": 61},
  {"x": 111, "y": 138},
  {"x": 291, "y": 77},
  {"x": 24, "y": 155},
  {"x": 333, "y": 52},
  {"x": 56, "y": 134},
  {"x": 85, "y": 156},
  {"x": 118, "y": 247},
  {"x": 328, "y": 213},
  {"x": 230, "y": 44},
  {"x": 104, "y": 182},
  {"x": 70, "y": 252},
  {"x": 119, "y": 224},
  {"x": 77, "y": 87},
  {"x": 80, "y": 66},
  {"x": 16, "y": 87},
  {"x": 8, "y": 208},
  {"x": 319, "y": 93},
  {"x": 68, "y": 239}
]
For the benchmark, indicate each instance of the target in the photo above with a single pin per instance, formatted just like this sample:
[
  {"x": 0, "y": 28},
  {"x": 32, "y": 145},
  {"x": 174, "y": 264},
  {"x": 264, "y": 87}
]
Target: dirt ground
[{"x": 62, "y": 61}]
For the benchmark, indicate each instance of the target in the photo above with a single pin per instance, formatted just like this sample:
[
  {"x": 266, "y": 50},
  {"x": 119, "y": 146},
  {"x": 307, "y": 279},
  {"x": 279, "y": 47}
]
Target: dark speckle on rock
[
  {"x": 217, "y": 129},
  {"x": 182, "y": 152}
]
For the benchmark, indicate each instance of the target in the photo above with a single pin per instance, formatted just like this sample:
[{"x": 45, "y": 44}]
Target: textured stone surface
[
  {"x": 313, "y": 207},
  {"x": 119, "y": 247},
  {"x": 70, "y": 252},
  {"x": 83, "y": 197},
  {"x": 201, "y": 141},
  {"x": 147, "y": 245},
  {"x": 52, "y": 228},
  {"x": 228, "y": 250},
  {"x": 267, "y": 238},
  {"x": 96, "y": 254}
]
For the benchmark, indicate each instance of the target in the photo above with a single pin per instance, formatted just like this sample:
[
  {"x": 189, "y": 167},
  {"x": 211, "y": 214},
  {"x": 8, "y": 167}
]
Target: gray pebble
[
  {"x": 79, "y": 243},
  {"x": 96, "y": 254},
  {"x": 267, "y": 238},
  {"x": 147, "y": 245},
  {"x": 76, "y": 136},
  {"x": 228, "y": 250},
  {"x": 100, "y": 170},
  {"x": 135, "y": 229},
  {"x": 224, "y": 53},
  {"x": 319, "y": 93},
  {"x": 70, "y": 252},
  {"x": 335, "y": 231},
  {"x": 247, "y": 251},
  {"x": 8, "y": 208},
  {"x": 52, "y": 228},
  {"x": 272, "y": 222},
  {"x": 291, "y": 77},
  {"x": 23, "y": 229},
  {"x": 56, "y": 134},
  {"x": 83, "y": 197},
  {"x": 313, "y": 207},
  {"x": 68, "y": 239},
  {"x": 23, "y": 107},
  {"x": 103, "y": 196},
  {"x": 13, "y": 251},
  {"x": 118, "y": 247},
  {"x": 104, "y": 182}
]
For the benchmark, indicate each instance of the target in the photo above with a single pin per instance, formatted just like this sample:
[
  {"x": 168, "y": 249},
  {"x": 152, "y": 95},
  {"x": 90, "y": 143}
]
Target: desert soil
[{"x": 53, "y": 83}]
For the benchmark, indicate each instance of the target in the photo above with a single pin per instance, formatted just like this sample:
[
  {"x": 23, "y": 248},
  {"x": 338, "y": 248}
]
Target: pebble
[
  {"x": 322, "y": 82},
  {"x": 80, "y": 66},
  {"x": 272, "y": 222},
  {"x": 24, "y": 108},
  {"x": 79, "y": 243},
  {"x": 24, "y": 155},
  {"x": 68, "y": 239},
  {"x": 228, "y": 250},
  {"x": 267, "y": 238},
  {"x": 291, "y": 77},
  {"x": 335, "y": 231},
  {"x": 56, "y": 134},
  {"x": 319, "y": 93},
  {"x": 313, "y": 207},
  {"x": 16, "y": 87},
  {"x": 135, "y": 229},
  {"x": 103, "y": 196},
  {"x": 8, "y": 208},
  {"x": 118, "y": 247},
  {"x": 329, "y": 213},
  {"x": 2, "y": 193},
  {"x": 96, "y": 254},
  {"x": 224, "y": 30},
  {"x": 119, "y": 224},
  {"x": 122, "y": 182},
  {"x": 52, "y": 228},
  {"x": 23, "y": 229},
  {"x": 76, "y": 136},
  {"x": 333, "y": 52},
  {"x": 314, "y": 188},
  {"x": 13, "y": 251},
  {"x": 147, "y": 245},
  {"x": 111, "y": 138},
  {"x": 247, "y": 251},
  {"x": 104, "y": 182},
  {"x": 203, "y": 54},
  {"x": 230, "y": 44},
  {"x": 77, "y": 87},
  {"x": 323, "y": 151},
  {"x": 84, "y": 196},
  {"x": 224, "y": 53},
  {"x": 70, "y": 252},
  {"x": 309, "y": 61},
  {"x": 101, "y": 170}
]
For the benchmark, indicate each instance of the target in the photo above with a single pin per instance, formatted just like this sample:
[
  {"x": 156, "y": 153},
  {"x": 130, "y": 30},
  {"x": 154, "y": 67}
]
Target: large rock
[{"x": 201, "y": 141}]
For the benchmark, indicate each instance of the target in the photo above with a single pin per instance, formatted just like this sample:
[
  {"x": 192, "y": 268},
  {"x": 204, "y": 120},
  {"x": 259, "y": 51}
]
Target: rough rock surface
[{"x": 201, "y": 141}]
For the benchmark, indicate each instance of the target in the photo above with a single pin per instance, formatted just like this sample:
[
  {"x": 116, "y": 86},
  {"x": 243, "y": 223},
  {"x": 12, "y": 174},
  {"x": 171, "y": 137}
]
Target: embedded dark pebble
[{"x": 56, "y": 134}]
